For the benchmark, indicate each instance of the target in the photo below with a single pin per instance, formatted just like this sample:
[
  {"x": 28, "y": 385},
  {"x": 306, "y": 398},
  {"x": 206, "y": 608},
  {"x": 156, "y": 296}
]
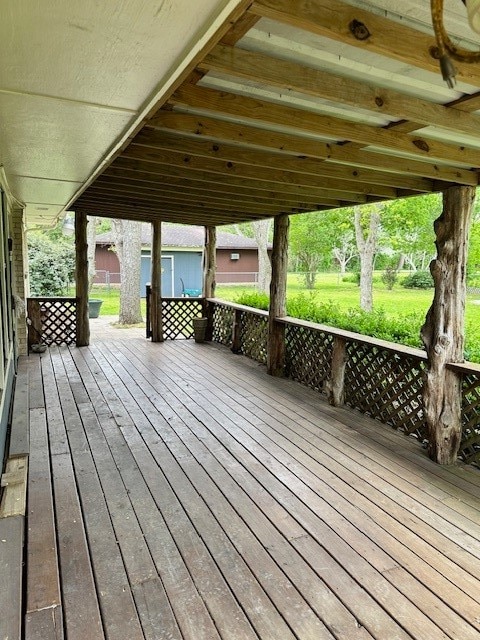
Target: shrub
[
  {"x": 389, "y": 277},
  {"x": 51, "y": 265},
  {"x": 418, "y": 280}
]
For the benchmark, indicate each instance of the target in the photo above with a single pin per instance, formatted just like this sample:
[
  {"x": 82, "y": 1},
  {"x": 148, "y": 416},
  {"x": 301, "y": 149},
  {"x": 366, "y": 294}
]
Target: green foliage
[
  {"x": 402, "y": 329},
  {"x": 51, "y": 264},
  {"x": 253, "y": 299},
  {"x": 418, "y": 280},
  {"x": 389, "y": 277}
]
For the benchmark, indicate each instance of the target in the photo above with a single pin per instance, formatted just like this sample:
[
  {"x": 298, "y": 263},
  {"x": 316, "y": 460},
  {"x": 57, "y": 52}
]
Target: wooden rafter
[{"x": 249, "y": 132}]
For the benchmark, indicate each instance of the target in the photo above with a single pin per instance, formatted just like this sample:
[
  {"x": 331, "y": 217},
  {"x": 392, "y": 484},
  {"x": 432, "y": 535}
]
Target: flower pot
[
  {"x": 199, "y": 329},
  {"x": 94, "y": 308}
]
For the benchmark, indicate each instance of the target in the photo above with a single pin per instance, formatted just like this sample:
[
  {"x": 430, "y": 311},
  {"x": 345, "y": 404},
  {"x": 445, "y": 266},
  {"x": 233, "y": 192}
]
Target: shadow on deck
[{"x": 177, "y": 491}]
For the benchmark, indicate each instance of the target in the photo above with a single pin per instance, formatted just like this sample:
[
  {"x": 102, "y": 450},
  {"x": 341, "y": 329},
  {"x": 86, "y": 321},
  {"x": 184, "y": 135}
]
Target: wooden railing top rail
[
  {"x": 239, "y": 307},
  {"x": 357, "y": 337},
  {"x": 464, "y": 367},
  {"x": 51, "y": 298}
]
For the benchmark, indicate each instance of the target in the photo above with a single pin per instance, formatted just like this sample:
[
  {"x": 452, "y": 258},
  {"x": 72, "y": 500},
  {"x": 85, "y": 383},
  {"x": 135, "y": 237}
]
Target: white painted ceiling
[{"x": 75, "y": 78}]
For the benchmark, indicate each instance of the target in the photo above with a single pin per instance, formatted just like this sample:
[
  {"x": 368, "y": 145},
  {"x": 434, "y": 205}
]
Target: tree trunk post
[
  {"x": 81, "y": 279},
  {"x": 209, "y": 272},
  {"x": 443, "y": 331},
  {"x": 237, "y": 331},
  {"x": 156, "y": 284},
  {"x": 209, "y": 262},
  {"x": 335, "y": 385},
  {"x": 278, "y": 293}
]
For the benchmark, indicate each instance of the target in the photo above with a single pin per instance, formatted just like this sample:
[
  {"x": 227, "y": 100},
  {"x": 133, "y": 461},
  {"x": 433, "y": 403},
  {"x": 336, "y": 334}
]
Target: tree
[
  {"x": 261, "y": 232},
  {"x": 316, "y": 237},
  {"x": 128, "y": 244},
  {"x": 408, "y": 229},
  {"x": 367, "y": 226},
  {"x": 51, "y": 264}
]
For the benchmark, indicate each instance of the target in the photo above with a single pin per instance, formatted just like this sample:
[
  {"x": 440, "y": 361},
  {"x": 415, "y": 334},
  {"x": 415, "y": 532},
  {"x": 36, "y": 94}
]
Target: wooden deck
[{"x": 178, "y": 492}]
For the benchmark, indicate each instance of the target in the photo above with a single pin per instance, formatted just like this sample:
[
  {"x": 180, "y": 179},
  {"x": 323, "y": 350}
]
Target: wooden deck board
[
  {"x": 200, "y": 499},
  {"x": 409, "y": 586}
]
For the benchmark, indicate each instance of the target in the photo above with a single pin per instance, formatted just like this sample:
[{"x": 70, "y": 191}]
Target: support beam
[
  {"x": 81, "y": 279},
  {"x": 443, "y": 331},
  {"x": 278, "y": 292},
  {"x": 209, "y": 262},
  {"x": 156, "y": 292}
]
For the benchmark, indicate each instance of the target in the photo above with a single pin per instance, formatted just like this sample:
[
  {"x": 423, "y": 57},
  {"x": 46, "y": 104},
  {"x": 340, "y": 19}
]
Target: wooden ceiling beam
[
  {"x": 195, "y": 146},
  {"x": 291, "y": 76},
  {"x": 186, "y": 199},
  {"x": 189, "y": 213},
  {"x": 332, "y": 19},
  {"x": 207, "y": 195},
  {"x": 279, "y": 73},
  {"x": 154, "y": 172},
  {"x": 259, "y": 111},
  {"x": 146, "y": 155}
]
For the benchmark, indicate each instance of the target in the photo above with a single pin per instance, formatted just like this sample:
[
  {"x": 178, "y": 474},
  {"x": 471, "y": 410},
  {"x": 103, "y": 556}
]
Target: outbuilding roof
[{"x": 186, "y": 236}]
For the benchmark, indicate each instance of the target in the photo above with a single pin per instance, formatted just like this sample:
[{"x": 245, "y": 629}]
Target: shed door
[{"x": 167, "y": 275}]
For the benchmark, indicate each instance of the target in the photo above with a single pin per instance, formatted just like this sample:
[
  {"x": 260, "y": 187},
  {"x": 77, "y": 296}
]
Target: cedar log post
[
  {"x": 81, "y": 279},
  {"x": 335, "y": 385},
  {"x": 443, "y": 331},
  {"x": 278, "y": 292},
  {"x": 156, "y": 284},
  {"x": 209, "y": 262},
  {"x": 209, "y": 271}
]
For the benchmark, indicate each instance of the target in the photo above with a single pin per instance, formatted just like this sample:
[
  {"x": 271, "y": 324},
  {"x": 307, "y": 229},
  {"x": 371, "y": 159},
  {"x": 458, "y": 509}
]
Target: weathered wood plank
[
  {"x": 43, "y": 587},
  {"x": 119, "y": 613},
  {"x": 11, "y": 570},
  {"x": 19, "y": 436},
  {"x": 14, "y": 482},
  {"x": 45, "y": 624}
]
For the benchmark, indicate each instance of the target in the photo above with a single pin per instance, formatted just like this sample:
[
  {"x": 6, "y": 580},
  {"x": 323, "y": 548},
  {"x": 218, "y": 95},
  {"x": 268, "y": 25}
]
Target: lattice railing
[
  {"x": 51, "y": 321},
  {"x": 308, "y": 354},
  {"x": 381, "y": 379},
  {"x": 470, "y": 444},
  {"x": 386, "y": 385},
  {"x": 177, "y": 316},
  {"x": 222, "y": 324},
  {"x": 253, "y": 336}
]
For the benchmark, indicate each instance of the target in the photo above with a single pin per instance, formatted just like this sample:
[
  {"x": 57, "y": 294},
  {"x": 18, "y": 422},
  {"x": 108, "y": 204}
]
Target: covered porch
[{"x": 177, "y": 491}]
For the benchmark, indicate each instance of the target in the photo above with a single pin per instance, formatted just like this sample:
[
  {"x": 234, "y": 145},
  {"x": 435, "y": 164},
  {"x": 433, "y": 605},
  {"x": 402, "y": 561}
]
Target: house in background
[{"x": 182, "y": 253}]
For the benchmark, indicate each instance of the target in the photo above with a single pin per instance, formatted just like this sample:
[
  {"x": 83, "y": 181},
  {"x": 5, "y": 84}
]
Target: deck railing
[
  {"x": 177, "y": 316},
  {"x": 381, "y": 379},
  {"x": 51, "y": 320}
]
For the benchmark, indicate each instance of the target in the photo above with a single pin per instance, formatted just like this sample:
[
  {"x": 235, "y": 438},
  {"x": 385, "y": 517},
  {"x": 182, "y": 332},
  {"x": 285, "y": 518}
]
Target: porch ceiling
[{"x": 288, "y": 112}]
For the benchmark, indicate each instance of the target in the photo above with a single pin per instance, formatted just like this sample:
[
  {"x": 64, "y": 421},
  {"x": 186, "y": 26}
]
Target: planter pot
[
  {"x": 94, "y": 308},
  {"x": 199, "y": 329}
]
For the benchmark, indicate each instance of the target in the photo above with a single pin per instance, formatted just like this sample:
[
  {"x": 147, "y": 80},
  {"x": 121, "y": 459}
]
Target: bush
[
  {"x": 402, "y": 329},
  {"x": 418, "y": 280},
  {"x": 352, "y": 277},
  {"x": 389, "y": 277},
  {"x": 51, "y": 265}
]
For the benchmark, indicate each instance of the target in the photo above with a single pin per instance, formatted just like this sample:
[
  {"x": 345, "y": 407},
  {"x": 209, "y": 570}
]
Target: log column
[
  {"x": 209, "y": 271},
  {"x": 156, "y": 291},
  {"x": 443, "y": 331},
  {"x": 81, "y": 279},
  {"x": 209, "y": 262},
  {"x": 278, "y": 293}
]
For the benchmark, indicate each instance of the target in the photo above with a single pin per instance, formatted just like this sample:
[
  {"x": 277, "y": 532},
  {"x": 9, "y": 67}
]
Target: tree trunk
[
  {"x": 261, "y": 231},
  {"x": 367, "y": 246},
  {"x": 156, "y": 284},
  {"x": 210, "y": 262},
  {"x": 81, "y": 279},
  {"x": 278, "y": 292},
  {"x": 443, "y": 331},
  {"x": 129, "y": 247}
]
